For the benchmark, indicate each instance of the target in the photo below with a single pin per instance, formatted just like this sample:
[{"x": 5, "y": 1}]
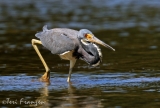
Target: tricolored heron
[{"x": 70, "y": 45}]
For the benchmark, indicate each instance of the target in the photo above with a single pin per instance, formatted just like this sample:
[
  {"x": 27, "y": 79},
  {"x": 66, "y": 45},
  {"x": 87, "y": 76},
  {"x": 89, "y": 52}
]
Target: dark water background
[{"x": 127, "y": 78}]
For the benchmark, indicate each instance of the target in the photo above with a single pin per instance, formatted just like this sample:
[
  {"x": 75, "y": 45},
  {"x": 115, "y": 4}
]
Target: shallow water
[{"x": 127, "y": 78}]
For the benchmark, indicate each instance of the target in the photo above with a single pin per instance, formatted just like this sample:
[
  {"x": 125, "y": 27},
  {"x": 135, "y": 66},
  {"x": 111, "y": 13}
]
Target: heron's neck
[{"x": 93, "y": 53}]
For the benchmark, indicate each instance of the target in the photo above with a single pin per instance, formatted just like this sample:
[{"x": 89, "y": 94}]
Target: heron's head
[{"x": 87, "y": 37}]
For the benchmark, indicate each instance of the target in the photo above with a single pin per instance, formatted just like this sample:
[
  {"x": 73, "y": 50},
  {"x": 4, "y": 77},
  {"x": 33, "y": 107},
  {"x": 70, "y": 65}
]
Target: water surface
[{"x": 127, "y": 78}]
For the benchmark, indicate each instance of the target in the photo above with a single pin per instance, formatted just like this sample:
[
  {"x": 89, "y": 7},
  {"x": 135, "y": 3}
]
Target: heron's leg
[
  {"x": 72, "y": 63},
  {"x": 46, "y": 75}
]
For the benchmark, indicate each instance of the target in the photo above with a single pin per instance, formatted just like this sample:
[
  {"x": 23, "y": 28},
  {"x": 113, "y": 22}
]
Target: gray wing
[{"x": 57, "y": 42}]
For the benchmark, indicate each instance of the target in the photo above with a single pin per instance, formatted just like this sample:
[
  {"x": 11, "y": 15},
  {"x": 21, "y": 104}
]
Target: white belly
[{"x": 67, "y": 55}]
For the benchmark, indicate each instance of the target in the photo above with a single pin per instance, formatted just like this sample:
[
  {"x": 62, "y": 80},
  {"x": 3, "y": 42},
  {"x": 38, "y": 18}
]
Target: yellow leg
[
  {"x": 72, "y": 63},
  {"x": 46, "y": 75}
]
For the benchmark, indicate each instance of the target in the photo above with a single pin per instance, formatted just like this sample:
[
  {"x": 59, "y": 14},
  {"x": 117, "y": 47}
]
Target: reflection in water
[
  {"x": 44, "y": 97},
  {"x": 70, "y": 100},
  {"x": 87, "y": 90},
  {"x": 87, "y": 102}
]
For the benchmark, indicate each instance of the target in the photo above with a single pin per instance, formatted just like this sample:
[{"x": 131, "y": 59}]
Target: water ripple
[{"x": 58, "y": 82}]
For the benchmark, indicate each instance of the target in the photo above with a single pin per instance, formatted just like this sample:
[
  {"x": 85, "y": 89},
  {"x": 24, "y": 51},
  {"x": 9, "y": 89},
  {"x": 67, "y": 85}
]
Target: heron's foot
[{"x": 45, "y": 77}]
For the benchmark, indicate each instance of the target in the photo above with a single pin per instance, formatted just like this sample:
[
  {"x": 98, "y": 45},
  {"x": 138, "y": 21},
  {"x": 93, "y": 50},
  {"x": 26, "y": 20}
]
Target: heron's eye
[{"x": 88, "y": 36}]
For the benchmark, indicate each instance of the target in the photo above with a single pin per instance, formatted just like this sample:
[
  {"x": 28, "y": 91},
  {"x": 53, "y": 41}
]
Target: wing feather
[{"x": 57, "y": 42}]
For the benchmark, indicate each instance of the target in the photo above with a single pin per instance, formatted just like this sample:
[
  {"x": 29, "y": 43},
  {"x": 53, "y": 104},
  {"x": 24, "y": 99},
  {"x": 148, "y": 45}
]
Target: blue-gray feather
[
  {"x": 58, "y": 40},
  {"x": 45, "y": 28},
  {"x": 90, "y": 54},
  {"x": 39, "y": 34}
]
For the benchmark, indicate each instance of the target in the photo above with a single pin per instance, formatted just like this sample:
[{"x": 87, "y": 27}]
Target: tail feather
[
  {"x": 39, "y": 34},
  {"x": 45, "y": 28}
]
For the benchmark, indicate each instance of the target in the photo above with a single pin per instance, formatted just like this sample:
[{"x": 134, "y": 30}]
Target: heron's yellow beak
[{"x": 93, "y": 39}]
